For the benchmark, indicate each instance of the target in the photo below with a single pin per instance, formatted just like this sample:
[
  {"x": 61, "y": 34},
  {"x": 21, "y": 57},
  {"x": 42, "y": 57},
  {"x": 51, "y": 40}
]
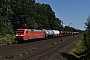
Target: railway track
[
  {"x": 17, "y": 48},
  {"x": 46, "y": 53},
  {"x": 6, "y": 50}
]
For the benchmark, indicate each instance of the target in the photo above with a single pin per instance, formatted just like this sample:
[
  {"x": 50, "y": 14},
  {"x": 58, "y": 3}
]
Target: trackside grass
[
  {"x": 78, "y": 48},
  {"x": 20, "y": 54}
]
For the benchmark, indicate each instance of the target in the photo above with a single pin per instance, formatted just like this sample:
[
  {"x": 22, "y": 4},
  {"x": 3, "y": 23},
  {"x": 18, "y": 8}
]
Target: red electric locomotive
[{"x": 27, "y": 34}]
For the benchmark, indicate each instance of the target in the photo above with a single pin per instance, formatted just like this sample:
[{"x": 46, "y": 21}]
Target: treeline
[{"x": 27, "y": 14}]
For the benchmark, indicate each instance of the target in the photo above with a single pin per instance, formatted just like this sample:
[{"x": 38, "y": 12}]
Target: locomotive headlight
[
  {"x": 16, "y": 35},
  {"x": 22, "y": 35}
]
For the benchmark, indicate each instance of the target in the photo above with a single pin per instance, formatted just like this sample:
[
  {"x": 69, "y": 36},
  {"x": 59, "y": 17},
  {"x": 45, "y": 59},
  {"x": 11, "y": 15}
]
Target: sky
[{"x": 73, "y": 13}]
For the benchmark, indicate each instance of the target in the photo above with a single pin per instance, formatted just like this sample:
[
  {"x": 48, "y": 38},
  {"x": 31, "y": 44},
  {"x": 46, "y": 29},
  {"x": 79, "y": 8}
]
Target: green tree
[
  {"x": 5, "y": 13},
  {"x": 23, "y": 13},
  {"x": 41, "y": 16},
  {"x": 68, "y": 28},
  {"x": 88, "y": 30},
  {"x": 86, "y": 41},
  {"x": 29, "y": 14},
  {"x": 88, "y": 24}
]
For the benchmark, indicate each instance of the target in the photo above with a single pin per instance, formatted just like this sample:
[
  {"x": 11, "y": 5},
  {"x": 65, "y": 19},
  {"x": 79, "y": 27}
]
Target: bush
[
  {"x": 86, "y": 39},
  {"x": 7, "y": 39}
]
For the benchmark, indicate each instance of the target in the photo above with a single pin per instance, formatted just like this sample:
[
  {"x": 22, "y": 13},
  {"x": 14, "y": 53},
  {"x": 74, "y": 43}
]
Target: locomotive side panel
[{"x": 27, "y": 34}]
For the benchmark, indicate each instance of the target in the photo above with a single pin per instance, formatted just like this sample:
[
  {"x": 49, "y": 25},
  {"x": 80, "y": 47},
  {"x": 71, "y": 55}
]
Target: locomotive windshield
[{"x": 20, "y": 31}]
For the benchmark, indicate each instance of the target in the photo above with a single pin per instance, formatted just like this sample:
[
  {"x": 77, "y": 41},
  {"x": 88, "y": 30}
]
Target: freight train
[{"x": 31, "y": 34}]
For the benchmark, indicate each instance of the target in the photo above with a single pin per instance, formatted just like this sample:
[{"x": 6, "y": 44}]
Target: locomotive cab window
[
  {"x": 20, "y": 31},
  {"x": 26, "y": 31}
]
